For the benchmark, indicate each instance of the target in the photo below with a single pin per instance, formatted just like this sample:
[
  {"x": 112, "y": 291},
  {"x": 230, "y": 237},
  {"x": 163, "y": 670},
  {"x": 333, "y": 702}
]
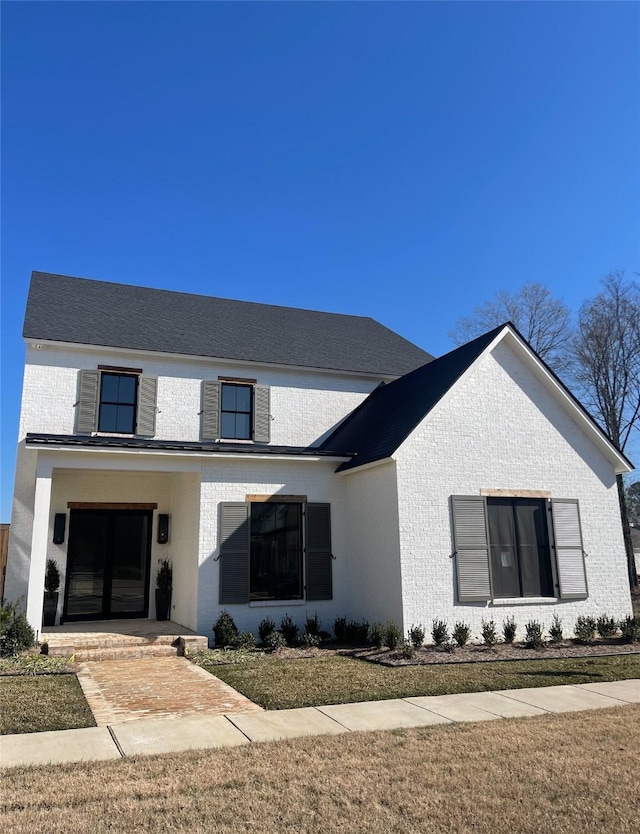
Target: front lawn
[
  {"x": 36, "y": 703},
  {"x": 563, "y": 773},
  {"x": 335, "y": 679}
]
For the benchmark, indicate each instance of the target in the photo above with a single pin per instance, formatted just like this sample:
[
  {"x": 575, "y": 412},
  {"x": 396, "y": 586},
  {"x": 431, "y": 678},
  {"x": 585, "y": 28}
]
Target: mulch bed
[{"x": 469, "y": 654}]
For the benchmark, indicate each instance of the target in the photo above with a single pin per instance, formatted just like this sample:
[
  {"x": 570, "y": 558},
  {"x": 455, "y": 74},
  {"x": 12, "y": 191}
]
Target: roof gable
[
  {"x": 81, "y": 311},
  {"x": 379, "y": 426}
]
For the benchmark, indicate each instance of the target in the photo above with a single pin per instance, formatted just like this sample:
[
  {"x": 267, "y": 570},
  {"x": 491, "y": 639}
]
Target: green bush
[
  {"x": 416, "y": 636},
  {"x": 309, "y": 641},
  {"x": 533, "y": 635},
  {"x": 392, "y": 636},
  {"x": 509, "y": 630},
  {"x": 225, "y": 630},
  {"x": 489, "y": 633},
  {"x": 585, "y": 629},
  {"x": 461, "y": 633},
  {"x": 357, "y": 632},
  {"x": 630, "y": 628},
  {"x": 440, "y": 632},
  {"x": 407, "y": 649},
  {"x": 289, "y": 630},
  {"x": 16, "y": 634},
  {"x": 555, "y": 630},
  {"x": 607, "y": 626},
  {"x": 244, "y": 640},
  {"x": 265, "y": 628},
  {"x": 377, "y": 635},
  {"x": 340, "y": 629},
  {"x": 51, "y": 578},
  {"x": 275, "y": 640},
  {"x": 312, "y": 625}
]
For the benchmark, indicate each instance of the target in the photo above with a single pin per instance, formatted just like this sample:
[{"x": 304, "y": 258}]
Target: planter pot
[
  {"x": 163, "y": 604},
  {"x": 50, "y": 609}
]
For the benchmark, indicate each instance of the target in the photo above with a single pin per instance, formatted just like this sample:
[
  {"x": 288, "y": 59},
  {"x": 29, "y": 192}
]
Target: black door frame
[{"x": 106, "y": 614}]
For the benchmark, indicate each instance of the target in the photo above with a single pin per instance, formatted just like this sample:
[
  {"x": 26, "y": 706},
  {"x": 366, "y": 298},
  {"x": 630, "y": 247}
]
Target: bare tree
[
  {"x": 606, "y": 371},
  {"x": 633, "y": 503},
  {"x": 544, "y": 321}
]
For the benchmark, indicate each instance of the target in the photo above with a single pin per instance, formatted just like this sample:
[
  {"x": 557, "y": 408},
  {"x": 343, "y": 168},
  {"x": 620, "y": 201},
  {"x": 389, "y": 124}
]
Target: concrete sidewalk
[{"x": 171, "y": 735}]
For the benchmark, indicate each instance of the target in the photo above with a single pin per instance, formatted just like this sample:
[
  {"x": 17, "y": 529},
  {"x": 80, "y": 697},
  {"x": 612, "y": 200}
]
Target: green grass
[
  {"x": 334, "y": 679},
  {"x": 36, "y": 703}
]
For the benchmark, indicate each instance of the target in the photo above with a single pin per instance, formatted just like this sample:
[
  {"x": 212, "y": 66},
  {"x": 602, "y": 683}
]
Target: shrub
[
  {"x": 585, "y": 629},
  {"x": 340, "y": 628},
  {"x": 309, "y": 641},
  {"x": 489, "y": 633},
  {"x": 51, "y": 578},
  {"x": 630, "y": 628},
  {"x": 357, "y": 633},
  {"x": 607, "y": 626},
  {"x": 555, "y": 630},
  {"x": 377, "y": 635},
  {"x": 225, "y": 630},
  {"x": 407, "y": 649},
  {"x": 509, "y": 630},
  {"x": 416, "y": 636},
  {"x": 439, "y": 632},
  {"x": 16, "y": 634},
  {"x": 289, "y": 630},
  {"x": 392, "y": 636},
  {"x": 533, "y": 635},
  {"x": 244, "y": 640},
  {"x": 312, "y": 625},
  {"x": 275, "y": 640},
  {"x": 265, "y": 628},
  {"x": 461, "y": 633}
]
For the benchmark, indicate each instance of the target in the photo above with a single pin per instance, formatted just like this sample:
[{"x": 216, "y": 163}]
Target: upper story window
[
  {"x": 236, "y": 411},
  {"x": 118, "y": 397}
]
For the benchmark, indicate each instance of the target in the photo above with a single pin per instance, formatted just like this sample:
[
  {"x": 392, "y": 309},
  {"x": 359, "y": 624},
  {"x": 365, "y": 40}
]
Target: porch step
[
  {"x": 121, "y": 653},
  {"x": 104, "y": 646}
]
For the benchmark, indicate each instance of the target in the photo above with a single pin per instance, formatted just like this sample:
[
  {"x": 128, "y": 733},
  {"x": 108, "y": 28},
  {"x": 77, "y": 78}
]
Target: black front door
[{"x": 108, "y": 564}]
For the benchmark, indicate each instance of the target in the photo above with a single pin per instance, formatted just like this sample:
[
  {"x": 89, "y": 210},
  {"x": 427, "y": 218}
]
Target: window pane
[
  {"x": 504, "y": 562},
  {"x": 229, "y": 398},
  {"x": 242, "y": 426},
  {"x": 535, "y": 561},
  {"x": 124, "y": 422},
  {"x": 109, "y": 388},
  {"x": 108, "y": 418},
  {"x": 228, "y": 425},
  {"x": 276, "y": 551},
  {"x": 127, "y": 390},
  {"x": 243, "y": 398}
]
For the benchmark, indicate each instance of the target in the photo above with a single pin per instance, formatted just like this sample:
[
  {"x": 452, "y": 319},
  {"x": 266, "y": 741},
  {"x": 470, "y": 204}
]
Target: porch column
[{"x": 39, "y": 542}]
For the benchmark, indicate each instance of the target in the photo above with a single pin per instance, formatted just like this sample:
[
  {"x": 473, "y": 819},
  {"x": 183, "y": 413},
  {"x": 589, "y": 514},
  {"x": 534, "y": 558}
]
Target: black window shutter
[
  {"x": 210, "y": 410},
  {"x": 234, "y": 553},
  {"x": 261, "y": 414},
  {"x": 318, "y": 556},
  {"x": 471, "y": 544},
  {"x": 87, "y": 408},
  {"x": 572, "y": 574},
  {"x": 147, "y": 396}
]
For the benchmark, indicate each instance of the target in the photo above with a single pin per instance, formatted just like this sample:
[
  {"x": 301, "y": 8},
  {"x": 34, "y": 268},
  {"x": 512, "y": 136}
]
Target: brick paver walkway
[{"x": 156, "y": 687}]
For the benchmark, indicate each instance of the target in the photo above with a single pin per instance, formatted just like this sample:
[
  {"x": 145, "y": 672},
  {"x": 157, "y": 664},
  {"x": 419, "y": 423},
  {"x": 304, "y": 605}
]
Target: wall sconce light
[
  {"x": 59, "y": 523},
  {"x": 163, "y": 528}
]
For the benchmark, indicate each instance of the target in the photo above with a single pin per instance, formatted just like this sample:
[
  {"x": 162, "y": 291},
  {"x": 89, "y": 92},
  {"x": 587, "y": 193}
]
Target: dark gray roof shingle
[
  {"x": 82, "y": 311},
  {"x": 377, "y": 427}
]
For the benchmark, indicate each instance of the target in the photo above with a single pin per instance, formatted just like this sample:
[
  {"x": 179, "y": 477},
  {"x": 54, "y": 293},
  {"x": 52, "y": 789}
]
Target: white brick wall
[
  {"x": 500, "y": 428},
  {"x": 304, "y": 404}
]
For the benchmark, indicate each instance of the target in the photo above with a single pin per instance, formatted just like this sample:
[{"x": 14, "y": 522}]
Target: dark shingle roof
[
  {"x": 82, "y": 311},
  {"x": 385, "y": 419}
]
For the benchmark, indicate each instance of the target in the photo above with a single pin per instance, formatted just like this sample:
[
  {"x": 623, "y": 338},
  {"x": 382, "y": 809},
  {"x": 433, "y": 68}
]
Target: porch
[{"x": 121, "y": 639}]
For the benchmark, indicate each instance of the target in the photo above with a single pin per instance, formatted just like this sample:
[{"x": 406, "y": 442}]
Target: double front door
[{"x": 108, "y": 564}]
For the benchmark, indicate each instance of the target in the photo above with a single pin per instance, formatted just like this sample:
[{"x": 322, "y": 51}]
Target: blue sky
[{"x": 398, "y": 160}]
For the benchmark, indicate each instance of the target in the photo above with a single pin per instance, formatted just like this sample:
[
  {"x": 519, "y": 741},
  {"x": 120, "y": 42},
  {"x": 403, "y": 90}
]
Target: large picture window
[
  {"x": 276, "y": 551},
  {"x": 118, "y": 394},
  {"x": 519, "y": 545}
]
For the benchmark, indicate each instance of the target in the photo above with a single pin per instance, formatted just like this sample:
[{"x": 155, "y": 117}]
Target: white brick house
[{"x": 304, "y": 462}]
